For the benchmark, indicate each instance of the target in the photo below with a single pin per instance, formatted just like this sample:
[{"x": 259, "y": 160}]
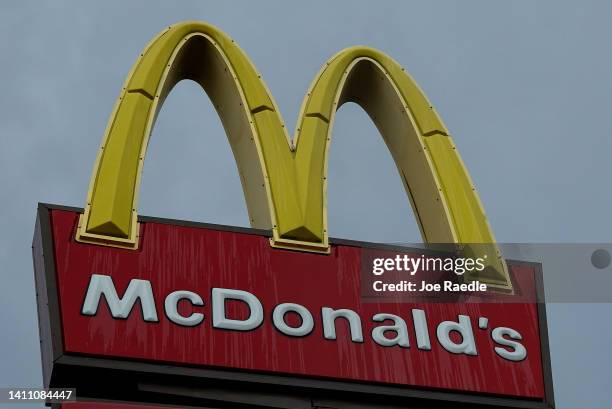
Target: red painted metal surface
[{"x": 198, "y": 259}]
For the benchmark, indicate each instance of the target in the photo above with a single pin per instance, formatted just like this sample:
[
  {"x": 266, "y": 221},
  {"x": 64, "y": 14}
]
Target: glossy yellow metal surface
[{"x": 284, "y": 181}]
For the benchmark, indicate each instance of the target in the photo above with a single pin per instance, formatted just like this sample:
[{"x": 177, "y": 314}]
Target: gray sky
[{"x": 523, "y": 86}]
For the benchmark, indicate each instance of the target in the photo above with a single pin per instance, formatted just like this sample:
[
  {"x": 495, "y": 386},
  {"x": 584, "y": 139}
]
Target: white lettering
[
  {"x": 278, "y": 317},
  {"x": 463, "y": 327},
  {"x": 399, "y": 327},
  {"x": 329, "y": 323},
  {"x": 220, "y": 320},
  {"x": 518, "y": 352},
  {"x": 171, "y": 308},
  {"x": 120, "y": 307}
]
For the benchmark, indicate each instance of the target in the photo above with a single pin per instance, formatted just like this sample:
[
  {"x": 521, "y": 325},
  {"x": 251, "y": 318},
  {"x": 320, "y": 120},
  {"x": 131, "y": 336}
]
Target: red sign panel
[{"x": 210, "y": 298}]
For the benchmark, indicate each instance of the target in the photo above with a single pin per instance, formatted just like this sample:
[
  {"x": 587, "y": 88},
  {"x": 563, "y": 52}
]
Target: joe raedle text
[{"x": 424, "y": 286}]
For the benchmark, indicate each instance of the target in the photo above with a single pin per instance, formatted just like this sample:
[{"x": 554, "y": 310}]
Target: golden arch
[{"x": 284, "y": 181}]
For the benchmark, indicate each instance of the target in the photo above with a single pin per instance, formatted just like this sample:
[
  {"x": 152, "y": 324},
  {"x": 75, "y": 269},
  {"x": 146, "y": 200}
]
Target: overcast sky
[{"x": 524, "y": 87}]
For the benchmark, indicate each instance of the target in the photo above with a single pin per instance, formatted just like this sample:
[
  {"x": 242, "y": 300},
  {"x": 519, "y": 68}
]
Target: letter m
[{"x": 120, "y": 307}]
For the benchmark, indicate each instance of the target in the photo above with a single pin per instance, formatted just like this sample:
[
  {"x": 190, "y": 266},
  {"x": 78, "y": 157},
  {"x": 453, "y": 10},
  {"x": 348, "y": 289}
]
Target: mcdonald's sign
[{"x": 147, "y": 310}]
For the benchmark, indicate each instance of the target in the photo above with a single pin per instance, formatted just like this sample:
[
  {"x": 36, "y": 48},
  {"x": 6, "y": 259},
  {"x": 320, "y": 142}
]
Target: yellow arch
[{"x": 284, "y": 182}]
